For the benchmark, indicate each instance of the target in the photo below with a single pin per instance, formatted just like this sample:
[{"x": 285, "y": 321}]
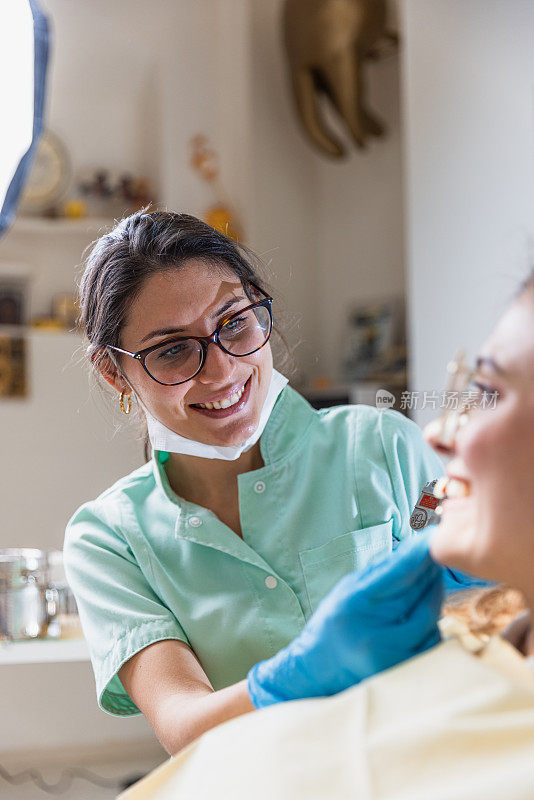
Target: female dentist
[{"x": 203, "y": 577}]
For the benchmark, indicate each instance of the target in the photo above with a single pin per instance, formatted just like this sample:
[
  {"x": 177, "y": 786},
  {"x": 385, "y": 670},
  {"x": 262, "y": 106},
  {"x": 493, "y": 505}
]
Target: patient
[{"x": 457, "y": 721}]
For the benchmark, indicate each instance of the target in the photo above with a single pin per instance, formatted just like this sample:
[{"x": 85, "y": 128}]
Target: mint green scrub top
[{"x": 336, "y": 491}]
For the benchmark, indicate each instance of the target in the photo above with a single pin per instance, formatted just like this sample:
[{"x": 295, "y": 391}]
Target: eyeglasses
[
  {"x": 177, "y": 361},
  {"x": 463, "y": 394},
  {"x": 470, "y": 388}
]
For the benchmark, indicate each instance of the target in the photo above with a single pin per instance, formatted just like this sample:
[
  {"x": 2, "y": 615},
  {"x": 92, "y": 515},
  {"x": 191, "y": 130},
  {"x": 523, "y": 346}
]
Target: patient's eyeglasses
[
  {"x": 179, "y": 360},
  {"x": 464, "y": 393}
]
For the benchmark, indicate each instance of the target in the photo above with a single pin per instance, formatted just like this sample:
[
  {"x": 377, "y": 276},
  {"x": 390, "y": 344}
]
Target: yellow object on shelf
[
  {"x": 75, "y": 209},
  {"x": 222, "y": 219},
  {"x": 47, "y": 323}
]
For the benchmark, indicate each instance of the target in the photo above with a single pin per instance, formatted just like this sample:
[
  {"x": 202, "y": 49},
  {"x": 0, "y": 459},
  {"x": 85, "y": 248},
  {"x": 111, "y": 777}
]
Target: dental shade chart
[{"x": 427, "y": 510}]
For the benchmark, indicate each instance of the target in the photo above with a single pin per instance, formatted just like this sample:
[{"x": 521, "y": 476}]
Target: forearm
[{"x": 181, "y": 721}]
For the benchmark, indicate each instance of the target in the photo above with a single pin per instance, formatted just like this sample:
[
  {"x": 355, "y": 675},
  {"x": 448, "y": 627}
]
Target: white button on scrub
[
  {"x": 259, "y": 487},
  {"x": 271, "y": 582},
  {"x": 195, "y": 521}
]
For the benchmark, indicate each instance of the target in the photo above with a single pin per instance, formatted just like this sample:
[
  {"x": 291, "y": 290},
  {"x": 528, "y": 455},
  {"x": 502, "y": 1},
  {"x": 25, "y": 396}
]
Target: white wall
[
  {"x": 468, "y": 98},
  {"x": 333, "y": 229},
  {"x": 360, "y": 241},
  {"x": 284, "y": 190},
  {"x": 64, "y": 443}
]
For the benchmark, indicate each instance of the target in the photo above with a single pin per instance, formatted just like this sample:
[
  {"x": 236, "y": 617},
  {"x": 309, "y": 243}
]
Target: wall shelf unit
[
  {"x": 43, "y": 651},
  {"x": 42, "y": 225}
]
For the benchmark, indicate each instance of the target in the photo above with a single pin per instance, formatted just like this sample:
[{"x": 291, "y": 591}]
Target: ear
[{"x": 108, "y": 370}]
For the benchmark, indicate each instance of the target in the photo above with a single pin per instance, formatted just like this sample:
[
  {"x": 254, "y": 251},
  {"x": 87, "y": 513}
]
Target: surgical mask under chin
[{"x": 161, "y": 438}]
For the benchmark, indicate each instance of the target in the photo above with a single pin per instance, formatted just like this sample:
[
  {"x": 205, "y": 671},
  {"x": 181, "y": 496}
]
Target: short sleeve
[
  {"x": 119, "y": 610},
  {"x": 411, "y": 463}
]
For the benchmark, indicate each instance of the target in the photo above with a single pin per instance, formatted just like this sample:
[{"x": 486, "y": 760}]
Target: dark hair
[
  {"x": 526, "y": 284},
  {"x": 141, "y": 245}
]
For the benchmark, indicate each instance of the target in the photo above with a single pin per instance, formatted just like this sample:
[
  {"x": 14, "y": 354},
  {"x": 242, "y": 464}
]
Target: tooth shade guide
[{"x": 428, "y": 501}]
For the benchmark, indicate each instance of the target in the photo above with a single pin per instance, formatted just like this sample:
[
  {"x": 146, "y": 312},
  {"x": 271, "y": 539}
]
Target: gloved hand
[{"x": 370, "y": 621}]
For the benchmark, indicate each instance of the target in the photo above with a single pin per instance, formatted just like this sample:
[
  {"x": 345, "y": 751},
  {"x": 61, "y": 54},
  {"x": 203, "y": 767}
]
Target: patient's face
[{"x": 491, "y": 532}]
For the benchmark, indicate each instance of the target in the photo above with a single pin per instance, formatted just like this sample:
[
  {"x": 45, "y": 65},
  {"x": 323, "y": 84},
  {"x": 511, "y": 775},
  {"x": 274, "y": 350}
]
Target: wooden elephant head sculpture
[{"x": 327, "y": 43}]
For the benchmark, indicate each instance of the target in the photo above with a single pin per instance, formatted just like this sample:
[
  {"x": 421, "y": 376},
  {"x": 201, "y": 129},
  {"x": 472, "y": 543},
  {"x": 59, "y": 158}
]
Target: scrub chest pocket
[{"x": 325, "y": 565}]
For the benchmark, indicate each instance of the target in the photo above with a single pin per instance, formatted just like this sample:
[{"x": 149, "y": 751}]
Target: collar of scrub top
[
  {"x": 284, "y": 433},
  {"x": 281, "y": 441}
]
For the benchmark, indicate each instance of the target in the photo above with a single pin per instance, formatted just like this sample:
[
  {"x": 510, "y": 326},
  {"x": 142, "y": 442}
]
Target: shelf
[
  {"x": 38, "y": 225},
  {"x": 31, "y": 330},
  {"x": 43, "y": 651}
]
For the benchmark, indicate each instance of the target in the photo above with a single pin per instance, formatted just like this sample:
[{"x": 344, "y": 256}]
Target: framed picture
[
  {"x": 13, "y": 300},
  {"x": 373, "y": 333},
  {"x": 12, "y": 367}
]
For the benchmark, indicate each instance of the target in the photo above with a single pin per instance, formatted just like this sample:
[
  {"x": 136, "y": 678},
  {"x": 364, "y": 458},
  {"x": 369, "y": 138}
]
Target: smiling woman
[{"x": 223, "y": 552}]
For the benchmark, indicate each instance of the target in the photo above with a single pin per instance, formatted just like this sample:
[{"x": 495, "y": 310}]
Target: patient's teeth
[
  {"x": 457, "y": 488},
  {"x": 440, "y": 489},
  {"x": 225, "y": 403}
]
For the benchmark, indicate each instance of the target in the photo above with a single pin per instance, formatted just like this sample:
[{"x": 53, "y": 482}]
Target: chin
[
  {"x": 465, "y": 551},
  {"x": 235, "y": 438},
  {"x": 444, "y": 552}
]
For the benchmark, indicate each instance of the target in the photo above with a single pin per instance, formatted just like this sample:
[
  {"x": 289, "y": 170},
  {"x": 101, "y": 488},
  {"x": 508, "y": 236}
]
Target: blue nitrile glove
[
  {"x": 370, "y": 621},
  {"x": 456, "y": 581}
]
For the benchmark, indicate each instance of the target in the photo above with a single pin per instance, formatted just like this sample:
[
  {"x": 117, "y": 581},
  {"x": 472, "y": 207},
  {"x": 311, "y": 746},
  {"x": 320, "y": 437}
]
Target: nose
[
  {"x": 218, "y": 366},
  {"x": 441, "y": 433}
]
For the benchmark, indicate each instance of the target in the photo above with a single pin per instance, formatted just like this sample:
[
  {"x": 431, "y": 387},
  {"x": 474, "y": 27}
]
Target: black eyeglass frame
[{"x": 204, "y": 341}]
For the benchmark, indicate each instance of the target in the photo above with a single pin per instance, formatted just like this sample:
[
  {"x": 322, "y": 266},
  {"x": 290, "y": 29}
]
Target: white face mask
[{"x": 161, "y": 438}]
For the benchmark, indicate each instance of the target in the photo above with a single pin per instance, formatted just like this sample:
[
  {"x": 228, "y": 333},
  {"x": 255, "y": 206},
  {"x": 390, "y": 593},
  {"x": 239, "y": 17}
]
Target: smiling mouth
[{"x": 228, "y": 405}]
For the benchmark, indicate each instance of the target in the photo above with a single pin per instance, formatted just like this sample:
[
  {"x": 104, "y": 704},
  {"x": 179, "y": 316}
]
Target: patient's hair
[
  {"x": 527, "y": 284},
  {"x": 486, "y": 611}
]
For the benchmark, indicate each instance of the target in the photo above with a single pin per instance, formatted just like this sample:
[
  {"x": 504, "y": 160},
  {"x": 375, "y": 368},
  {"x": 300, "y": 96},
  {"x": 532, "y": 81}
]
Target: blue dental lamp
[{"x": 24, "y": 44}]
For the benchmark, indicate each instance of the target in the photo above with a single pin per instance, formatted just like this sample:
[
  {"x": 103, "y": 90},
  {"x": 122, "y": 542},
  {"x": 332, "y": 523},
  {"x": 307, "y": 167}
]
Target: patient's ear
[{"x": 107, "y": 368}]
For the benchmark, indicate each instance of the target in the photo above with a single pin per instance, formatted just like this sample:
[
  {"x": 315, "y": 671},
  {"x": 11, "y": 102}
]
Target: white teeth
[
  {"x": 451, "y": 488},
  {"x": 226, "y": 403},
  {"x": 440, "y": 489},
  {"x": 457, "y": 488}
]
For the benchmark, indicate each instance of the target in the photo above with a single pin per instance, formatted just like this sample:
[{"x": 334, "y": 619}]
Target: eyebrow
[
  {"x": 169, "y": 331},
  {"x": 486, "y": 361}
]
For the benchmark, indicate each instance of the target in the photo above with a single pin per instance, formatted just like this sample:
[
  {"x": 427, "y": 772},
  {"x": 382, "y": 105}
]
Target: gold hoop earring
[{"x": 121, "y": 403}]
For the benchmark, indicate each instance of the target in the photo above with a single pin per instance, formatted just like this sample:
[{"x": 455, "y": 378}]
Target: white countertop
[{"x": 41, "y": 651}]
